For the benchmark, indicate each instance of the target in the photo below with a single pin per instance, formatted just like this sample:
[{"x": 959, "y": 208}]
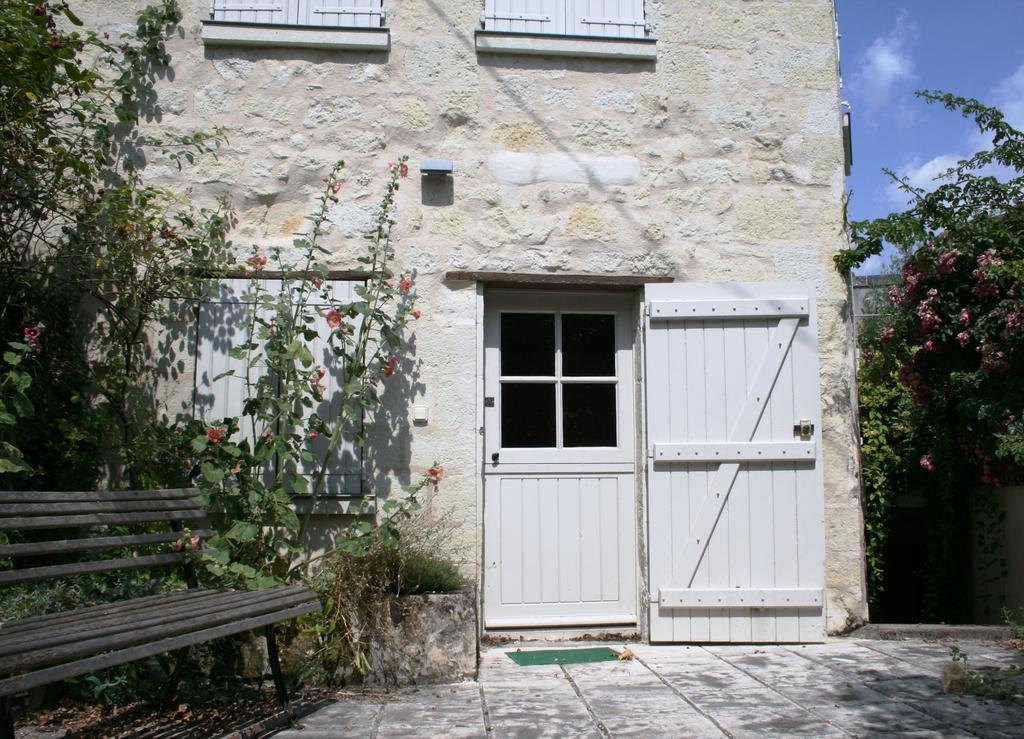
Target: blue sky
[{"x": 973, "y": 48}]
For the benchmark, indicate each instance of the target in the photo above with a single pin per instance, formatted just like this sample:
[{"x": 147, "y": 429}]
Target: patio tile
[
  {"x": 449, "y": 710},
  {"x": 340, "y": 720}
]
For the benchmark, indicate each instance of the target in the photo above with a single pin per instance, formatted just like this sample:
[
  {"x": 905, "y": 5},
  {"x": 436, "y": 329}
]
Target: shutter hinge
[
  {"x": 612, "y": 21},
  {"x": 348, "y": 10},
  {"x": 244, "y": 6},
  {"x": 514, "y": 17}
]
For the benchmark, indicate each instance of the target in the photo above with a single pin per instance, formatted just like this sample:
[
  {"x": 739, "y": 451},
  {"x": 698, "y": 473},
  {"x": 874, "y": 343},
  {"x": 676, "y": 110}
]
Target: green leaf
[
  {"x": 199, "y": 444},
  {"x": 242, "y": 531},
  {"x": 212, "y": 473},
  {"x": 12, "y": 358}
]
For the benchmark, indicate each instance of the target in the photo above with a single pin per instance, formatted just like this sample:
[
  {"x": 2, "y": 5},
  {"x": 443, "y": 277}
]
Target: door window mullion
[{"x": 558, "y": 381}]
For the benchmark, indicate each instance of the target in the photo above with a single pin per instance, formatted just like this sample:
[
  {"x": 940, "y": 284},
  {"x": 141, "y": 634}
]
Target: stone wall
[{"x": 721, "y": 161}]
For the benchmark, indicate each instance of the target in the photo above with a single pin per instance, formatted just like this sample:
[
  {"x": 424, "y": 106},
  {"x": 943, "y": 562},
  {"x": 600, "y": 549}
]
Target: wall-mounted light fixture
[
  {"x": 437, "y": 167},
  {"x": 437, "y": 183}
]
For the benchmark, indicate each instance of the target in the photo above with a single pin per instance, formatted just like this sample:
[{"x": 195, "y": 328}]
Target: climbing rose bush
[{"x": 955, "y": 339}]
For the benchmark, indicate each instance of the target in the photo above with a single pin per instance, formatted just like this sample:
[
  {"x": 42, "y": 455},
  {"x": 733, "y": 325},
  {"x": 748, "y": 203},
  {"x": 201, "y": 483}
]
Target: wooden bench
[{"x": 44, "y": 649}]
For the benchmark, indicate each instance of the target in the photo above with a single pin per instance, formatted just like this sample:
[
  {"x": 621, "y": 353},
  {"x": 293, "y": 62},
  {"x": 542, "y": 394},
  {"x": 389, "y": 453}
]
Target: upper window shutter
[
  {"x": 526, "y": 16},
  {"x": 254, "y": 11},
  {"x": 609, "y": 18},
  {"x": 341, "y": 13}
]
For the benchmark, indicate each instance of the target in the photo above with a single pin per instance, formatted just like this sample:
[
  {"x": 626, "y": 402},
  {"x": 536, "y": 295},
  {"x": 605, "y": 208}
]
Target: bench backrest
[{"x": 89, "y": 512}]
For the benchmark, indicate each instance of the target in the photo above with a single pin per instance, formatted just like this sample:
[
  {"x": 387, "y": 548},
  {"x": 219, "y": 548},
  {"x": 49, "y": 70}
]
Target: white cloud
[
  {"x": 921, "y": 176},
  {"x": 886, "y": 63},
  {"x": 1009, "y": 98}
]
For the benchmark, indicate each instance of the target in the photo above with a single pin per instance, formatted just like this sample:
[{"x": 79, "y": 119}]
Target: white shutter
[
  {"x": 608, "y": 18},
  {"x": 736, "y": 501},
  {"x": 223, "y": 323},
  {"x": 525, "y": 16},
  {"x": 341, "y": 13},
  {"x": 255, "y": 11}
]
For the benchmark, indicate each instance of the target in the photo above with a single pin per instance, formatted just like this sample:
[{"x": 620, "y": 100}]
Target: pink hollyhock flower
[
  {"x": 216, "y": 434},
  {"x": 404, "y": 170},
  {"x": 313, "y": 435},
  {"x": 256, "y": 261},
  {"x": 416, "y": 314},
  {"x": 333, "y": 318},
  {"x": 405, "y": 285},
  {"x": 336, "y": 187},
  {"x": 436, "y": 474},
  {"x": 927, "y": 463},
  {"x": 32, "y": 334}
]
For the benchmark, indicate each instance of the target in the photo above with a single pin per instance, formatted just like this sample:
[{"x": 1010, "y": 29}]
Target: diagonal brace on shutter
[{"x": 774, "y": 356}]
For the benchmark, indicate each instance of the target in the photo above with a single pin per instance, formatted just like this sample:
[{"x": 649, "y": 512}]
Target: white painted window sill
[
  {"x": 223, "y": 33},
  {"x": 503, "y": 42}
]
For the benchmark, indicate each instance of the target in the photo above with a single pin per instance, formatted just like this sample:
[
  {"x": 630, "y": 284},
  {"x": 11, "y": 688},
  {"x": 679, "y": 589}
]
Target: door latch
[
  {"x": 804, "y": 429},
  {"x": 489, "y": 401},
  {"x": 494, "y": 458}
]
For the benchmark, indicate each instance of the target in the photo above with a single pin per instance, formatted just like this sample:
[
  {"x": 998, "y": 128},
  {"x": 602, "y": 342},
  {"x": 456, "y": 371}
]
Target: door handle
[{"x": 494, "y": 458}]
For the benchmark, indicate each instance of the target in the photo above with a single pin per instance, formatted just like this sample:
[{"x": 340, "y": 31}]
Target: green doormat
[{"x": 563, "y": 656}]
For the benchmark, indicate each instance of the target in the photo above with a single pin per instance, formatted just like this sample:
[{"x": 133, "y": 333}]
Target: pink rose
[
  {"x": 216, "y": 434},
  {"x": 927, "y": 463}
]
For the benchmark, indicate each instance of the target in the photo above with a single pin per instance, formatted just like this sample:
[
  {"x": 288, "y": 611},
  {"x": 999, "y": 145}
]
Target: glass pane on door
[
  {"x": 588, "y": 345},
  {"x": 528, "y": 344},
  {"x": 527, "y": 414},
  {"x": 588, "y": 414}
]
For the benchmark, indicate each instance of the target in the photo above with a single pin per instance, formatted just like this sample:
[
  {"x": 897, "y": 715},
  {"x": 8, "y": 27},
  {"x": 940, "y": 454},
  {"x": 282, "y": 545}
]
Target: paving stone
[
  {"x": 449, "y": 710},
  {"x": 630, "y": 700},
  {"x": 868, "y": 718},
  {"x": 340, "y": 720}
]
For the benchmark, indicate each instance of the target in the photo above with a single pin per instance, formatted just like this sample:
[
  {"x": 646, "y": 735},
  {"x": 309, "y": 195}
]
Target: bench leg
[
  {"x": 6, "y": 718},
  {"x": 275, "y": 667},
  {"x": 180, "y": 659}
]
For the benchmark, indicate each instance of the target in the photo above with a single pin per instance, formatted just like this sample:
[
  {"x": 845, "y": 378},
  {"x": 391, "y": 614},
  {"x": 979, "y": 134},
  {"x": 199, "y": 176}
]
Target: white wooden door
[
  {"x": 559, "y": 484},
  {"x": 736, "y": 531}
]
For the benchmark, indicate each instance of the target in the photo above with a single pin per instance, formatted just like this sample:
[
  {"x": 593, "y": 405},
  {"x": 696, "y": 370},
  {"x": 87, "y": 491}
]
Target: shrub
[{"x": 358, "y": 585}]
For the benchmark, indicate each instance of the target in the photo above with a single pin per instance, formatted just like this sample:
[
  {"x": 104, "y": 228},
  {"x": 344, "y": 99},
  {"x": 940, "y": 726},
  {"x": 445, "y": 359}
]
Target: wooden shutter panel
[
  {"x": 608, "y": 18},
  {"x": 254, "y": 11},
  {"x": 526, "y": 16},
  {"x": 735, "y": 492},
  {"x": 222, "y": 324},
  {"x": 341, "y": 13}
]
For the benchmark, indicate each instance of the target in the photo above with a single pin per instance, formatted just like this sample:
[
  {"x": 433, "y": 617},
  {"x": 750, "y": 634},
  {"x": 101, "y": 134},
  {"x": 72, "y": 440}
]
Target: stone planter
[{"x": 431, "y": 638}]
